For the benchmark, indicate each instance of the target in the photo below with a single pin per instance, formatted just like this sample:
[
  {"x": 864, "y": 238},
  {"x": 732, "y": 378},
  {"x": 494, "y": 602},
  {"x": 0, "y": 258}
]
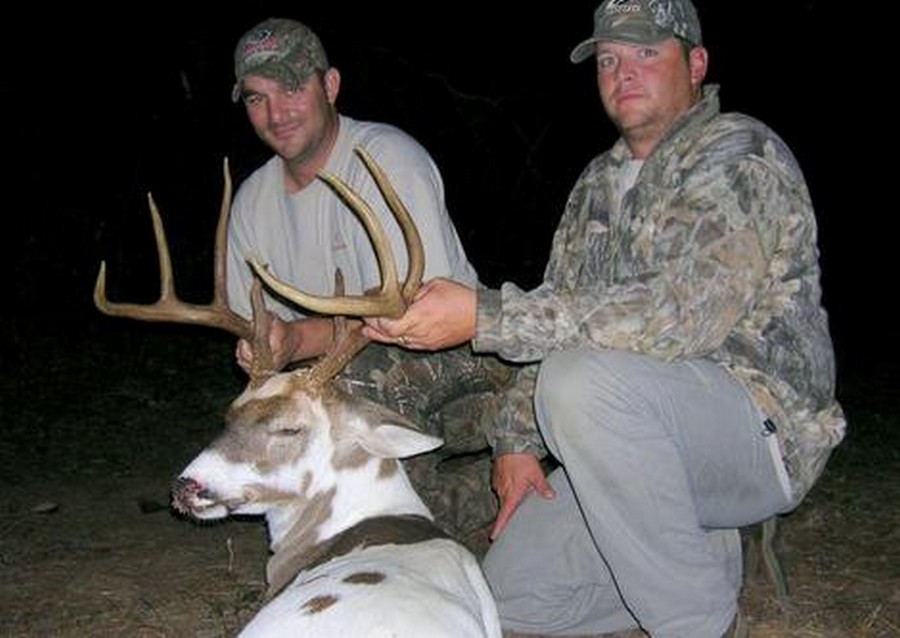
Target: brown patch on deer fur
[
  {"x": 256, "y": 493},
  {"x": 259, "y": 411},
  {"x": 318, "y": 604},
  {"x": 263, "y": 494},
  {"x": 380, "y": 530},
  {"x": 251, "y": 437},
  {"x": 342, "y": 407},
  {"x": 365, "y": 578},
  {"x": 301, "y": 542},
  {"x": 388, "y": 468},
  {"x": 347, "y": 456}
]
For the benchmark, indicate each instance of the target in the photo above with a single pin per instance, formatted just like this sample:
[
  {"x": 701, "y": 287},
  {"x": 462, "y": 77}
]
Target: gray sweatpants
[{"x": 661, "y": 462}]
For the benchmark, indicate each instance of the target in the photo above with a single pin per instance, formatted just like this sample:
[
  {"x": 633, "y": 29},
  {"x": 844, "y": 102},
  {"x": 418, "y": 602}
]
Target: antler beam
[{"x": 391, "y": 299}]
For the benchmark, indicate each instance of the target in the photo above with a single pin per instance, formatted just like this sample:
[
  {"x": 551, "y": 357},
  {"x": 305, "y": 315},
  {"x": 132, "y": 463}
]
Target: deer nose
[{"x": 185, "y": 492}]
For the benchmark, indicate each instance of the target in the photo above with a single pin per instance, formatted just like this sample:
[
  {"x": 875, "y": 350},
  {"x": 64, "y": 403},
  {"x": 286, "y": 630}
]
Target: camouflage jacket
[{"x": 711, "y": 254}]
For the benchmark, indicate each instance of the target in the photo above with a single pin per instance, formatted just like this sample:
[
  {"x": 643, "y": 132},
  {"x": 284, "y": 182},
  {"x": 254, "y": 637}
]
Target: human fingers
[
  {"x": 542, "y": 486},
  {"x": 513, "y": 476},
  {"x": 509, "y": 491},
  {"x": 426, "y": 288},
  {"x": 394, "y": 331},
  {"x": 243, "y": 354},
  {"x": 386, "y": 328},
  {"x": 282, "y": 342},
  {"x": 370, "y": 331},
  {"x": 506, "y": 511}
]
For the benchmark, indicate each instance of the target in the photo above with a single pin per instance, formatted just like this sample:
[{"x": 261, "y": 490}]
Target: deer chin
[{"x": 208, "y": 511}]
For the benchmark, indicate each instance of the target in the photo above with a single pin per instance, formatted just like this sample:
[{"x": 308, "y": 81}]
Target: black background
[{"x": 100, "y": 107}]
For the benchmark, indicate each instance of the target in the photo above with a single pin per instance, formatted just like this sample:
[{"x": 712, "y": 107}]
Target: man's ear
[
  {"x": 698, "y": 61},
  {"x": 332, "y": 81}
]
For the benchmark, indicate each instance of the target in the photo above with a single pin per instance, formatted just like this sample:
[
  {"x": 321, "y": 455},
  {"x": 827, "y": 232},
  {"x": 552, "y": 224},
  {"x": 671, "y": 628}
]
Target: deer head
[{"x": 296, "y": 448}]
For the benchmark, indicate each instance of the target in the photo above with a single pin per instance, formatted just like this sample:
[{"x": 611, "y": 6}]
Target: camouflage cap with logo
[
  {"x": 280, "y": 49},
  {"x": 641, "y": 22}
]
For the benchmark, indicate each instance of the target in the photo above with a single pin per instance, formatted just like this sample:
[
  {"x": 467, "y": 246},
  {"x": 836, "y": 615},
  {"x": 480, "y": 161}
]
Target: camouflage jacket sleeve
[
  {"x": 670, "y": 270},
  {"x": 511, "y": 428}
]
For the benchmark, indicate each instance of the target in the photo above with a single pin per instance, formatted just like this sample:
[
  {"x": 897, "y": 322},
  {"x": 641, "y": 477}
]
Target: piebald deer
[{"x": 354, "y": 549}]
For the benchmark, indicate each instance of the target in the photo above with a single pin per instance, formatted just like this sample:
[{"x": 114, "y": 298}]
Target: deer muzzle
[{"x": 190, "y": 497}]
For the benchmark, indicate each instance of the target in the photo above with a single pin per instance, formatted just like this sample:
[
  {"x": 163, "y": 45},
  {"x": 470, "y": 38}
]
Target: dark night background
[{"x": 100, "y": 107}]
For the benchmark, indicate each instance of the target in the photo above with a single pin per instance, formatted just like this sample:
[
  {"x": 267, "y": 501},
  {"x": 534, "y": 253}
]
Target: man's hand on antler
[
  {"x": 442, "y": 315},
  {"x": 290, "y": 341}
]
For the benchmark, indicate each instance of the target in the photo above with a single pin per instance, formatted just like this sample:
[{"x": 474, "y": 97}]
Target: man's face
[
  {"x": 645, "y": 88},
  {"x": 294, "y": 122}
]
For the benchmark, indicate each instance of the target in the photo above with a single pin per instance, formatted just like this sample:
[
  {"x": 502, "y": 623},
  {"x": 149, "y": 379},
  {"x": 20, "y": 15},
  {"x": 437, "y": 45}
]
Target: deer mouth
[{"x": 190, "y": 497}]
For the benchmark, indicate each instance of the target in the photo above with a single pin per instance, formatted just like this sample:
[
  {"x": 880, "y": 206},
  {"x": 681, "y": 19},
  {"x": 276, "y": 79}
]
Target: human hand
[
  {"x": 282, "y": 342},
  {"x": 514, "y": 475},
  {"x": 441, "y": 315}
]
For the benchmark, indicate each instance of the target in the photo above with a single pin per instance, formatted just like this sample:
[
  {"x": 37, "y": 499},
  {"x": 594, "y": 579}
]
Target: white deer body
[
  {"x": 354, "y": 552},
  {"x": 431, "y": 589}
]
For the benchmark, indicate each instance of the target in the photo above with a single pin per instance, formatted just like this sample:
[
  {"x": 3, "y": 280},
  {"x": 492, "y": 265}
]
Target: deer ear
[
  {"x": 384, "y": 433},
  {"x": 390, "y": 441}
]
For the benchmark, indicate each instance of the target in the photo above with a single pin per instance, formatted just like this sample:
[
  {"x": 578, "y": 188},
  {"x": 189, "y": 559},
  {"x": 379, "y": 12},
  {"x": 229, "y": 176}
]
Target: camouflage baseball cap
[
  {"x": 280, "y": 49},
  {"x": 641, "y": 22}
]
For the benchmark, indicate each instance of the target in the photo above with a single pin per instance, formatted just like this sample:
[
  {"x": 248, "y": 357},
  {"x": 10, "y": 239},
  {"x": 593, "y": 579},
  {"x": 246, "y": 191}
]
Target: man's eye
[
  {"x": 648, "y": 53},
  {"x": 252, "y": 99},
  {"x": 605, "y": 61}
]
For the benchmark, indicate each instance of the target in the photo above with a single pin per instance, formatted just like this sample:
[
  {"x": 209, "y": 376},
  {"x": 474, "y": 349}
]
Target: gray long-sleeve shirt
[{"x": 711, "y": 254}]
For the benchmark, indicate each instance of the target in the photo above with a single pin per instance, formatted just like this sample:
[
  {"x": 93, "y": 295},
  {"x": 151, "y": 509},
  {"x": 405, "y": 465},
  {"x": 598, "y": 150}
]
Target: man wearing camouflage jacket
[{"x": 686, "y": 375}]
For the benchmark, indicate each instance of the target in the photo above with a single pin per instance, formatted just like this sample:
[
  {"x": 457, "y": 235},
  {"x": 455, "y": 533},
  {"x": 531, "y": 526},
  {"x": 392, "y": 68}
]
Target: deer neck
[
  {"x": 283, "y": 568},
  {"x": 301, "y": 533}
]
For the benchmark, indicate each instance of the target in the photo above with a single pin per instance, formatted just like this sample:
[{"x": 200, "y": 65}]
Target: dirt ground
[{"x": 94, "y": 431}]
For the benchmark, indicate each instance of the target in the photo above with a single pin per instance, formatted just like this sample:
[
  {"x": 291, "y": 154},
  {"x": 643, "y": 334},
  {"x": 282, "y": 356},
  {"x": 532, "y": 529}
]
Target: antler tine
[
  {"x": 169, "y": 307},
  {"x": 347, "y": 342},
  {"x": 220, "y": 292},
  {"x": 415, "y": 252},
  {"x": 390, "y": 300}
]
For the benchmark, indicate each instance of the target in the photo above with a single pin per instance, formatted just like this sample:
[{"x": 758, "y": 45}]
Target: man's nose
[
  {"x": 278, "y": 109},
  {"x": 625, "y": 69}
]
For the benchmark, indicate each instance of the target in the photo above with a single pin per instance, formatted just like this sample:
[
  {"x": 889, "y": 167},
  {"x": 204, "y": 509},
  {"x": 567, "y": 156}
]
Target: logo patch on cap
[
  {"x": 285, "y": 50},
  {"x": 641, "y": 22}
]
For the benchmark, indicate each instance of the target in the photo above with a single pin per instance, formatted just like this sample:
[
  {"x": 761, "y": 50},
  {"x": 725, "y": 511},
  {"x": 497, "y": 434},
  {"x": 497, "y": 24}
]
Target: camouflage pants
[{"x": 451, "y": 394}]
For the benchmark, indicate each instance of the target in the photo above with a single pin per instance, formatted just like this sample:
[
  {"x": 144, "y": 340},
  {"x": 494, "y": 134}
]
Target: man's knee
[
  {"x": 563, "y": 380},
  {"x": 600, "y": 392},
  {"x": 572, "y": 382}
]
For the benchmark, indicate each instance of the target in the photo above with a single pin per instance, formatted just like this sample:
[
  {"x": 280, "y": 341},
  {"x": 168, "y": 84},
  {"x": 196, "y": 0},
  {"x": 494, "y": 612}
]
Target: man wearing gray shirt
[{"x": 293, "y": 222}]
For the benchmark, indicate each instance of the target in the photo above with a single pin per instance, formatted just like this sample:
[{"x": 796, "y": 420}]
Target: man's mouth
[
  {"x": 283, "y": 132},
  {"x": 630, "y": 94}
]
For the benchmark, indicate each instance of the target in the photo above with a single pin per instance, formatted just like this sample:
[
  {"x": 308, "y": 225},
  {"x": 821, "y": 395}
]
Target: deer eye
[
  {"x": 287, "y": 427},
  {"x": 287, "y": 431}
]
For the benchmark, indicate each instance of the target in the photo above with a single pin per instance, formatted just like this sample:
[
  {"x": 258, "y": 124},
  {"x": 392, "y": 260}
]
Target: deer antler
[
  {"x": 390, "y": 300},
  {"x": 216, "y": 314}
]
